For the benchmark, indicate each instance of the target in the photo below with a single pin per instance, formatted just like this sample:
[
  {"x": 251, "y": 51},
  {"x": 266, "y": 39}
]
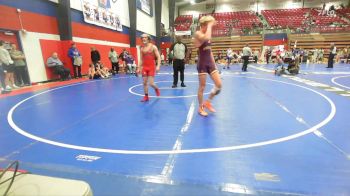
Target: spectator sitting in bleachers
[
  {"x": 102, "y": 70},
  {"x": 130, "y": 62},
  {"x": 58, "y": 67},
  {"x": 93, "y": 74}
]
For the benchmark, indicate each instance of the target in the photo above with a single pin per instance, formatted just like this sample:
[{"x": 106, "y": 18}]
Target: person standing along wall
[
  {"x": 113, "y": 57},
  {"x": 20, "y": 66},
  {"x": 77, "y": 61},
  {"x": 8, "y": 67},
  {"x": 95, "y": 55}
]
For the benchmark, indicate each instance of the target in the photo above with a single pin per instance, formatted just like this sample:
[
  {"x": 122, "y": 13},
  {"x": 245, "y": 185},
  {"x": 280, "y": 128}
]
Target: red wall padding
[
  {"x": 48, "y": 47},
  {"x": 31, "y": 21}
]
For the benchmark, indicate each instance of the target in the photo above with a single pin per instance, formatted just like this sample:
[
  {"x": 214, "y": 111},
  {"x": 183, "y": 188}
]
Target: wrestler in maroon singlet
[{"x": 206, "y": 64}]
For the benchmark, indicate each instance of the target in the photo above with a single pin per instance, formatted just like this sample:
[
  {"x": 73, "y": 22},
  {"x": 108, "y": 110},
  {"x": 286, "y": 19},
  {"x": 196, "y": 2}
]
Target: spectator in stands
[
  {"x": 2, "y": 80},
  {"x": 301, "y": 53},
  {"x": 130, "y": 63},
  {"x": 113, "y": 57},
  {"x": 57, "y": 65},
  {"x": 179, "y": 50},
  {"x": 332, "y": 54},
  {"x": 268, "y": 55},
  {"x": 162, "y": 58},
  {"x": 122, "y": 56},
  {"x": 102, "y": 70},
  {"x": 170, "y": 58},
  {"x": 77, "y": 60},
  {"x": 3, "y": 62},
  {"x": 95, "y": 55},
  {"x": 189, "y": 55},
  {"x": 314, "y": 56},
  {"x": 218, "y": 57},
  {"x": 20, "y": 66},
  {"x": 8, "y": 67},
  {"x": 320, "y": 55},
  {"x": 229, "y": 56},
  {"x": 92, "y": 72},
  {"x": 247, "y": 52},
  {"x": 256, "y": 55}
]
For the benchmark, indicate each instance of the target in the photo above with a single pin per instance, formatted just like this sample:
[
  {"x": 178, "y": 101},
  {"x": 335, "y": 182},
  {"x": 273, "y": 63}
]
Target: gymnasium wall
[
  {"x": 41, "y": 36},
  {"x": 145, "y": 22},
  {"x": 165, "y": 14}
]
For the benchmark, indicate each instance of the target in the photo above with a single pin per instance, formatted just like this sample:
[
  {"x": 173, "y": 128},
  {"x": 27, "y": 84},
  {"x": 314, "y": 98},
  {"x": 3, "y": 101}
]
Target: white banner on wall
[{"x": 100, "y": 13}]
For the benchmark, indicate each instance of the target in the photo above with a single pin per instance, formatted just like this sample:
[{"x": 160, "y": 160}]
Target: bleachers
[
  {"x": 306, "y": 18},
  {"x": 223, "y": 43},
  {"x": 293, "y": 18},
  {"x": 345, "y": 12},
  {"x": 320, "y": 41},
  {"x": 324, "y": 22},
  {"x": 236, "y": 21},
  {"x": 183, "y": 22}
]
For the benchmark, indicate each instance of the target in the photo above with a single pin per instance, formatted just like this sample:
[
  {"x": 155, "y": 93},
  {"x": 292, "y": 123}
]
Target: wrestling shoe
[
  {"x": 202, "y": 112},
  {"x": 208, "y": 105},
  {"x": 157, "y": 92},
  {"x": 145, "y": 99}
]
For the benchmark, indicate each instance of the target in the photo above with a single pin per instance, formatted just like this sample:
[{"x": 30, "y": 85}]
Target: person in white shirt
[
  {"x": 246, "y": 53},
  {"x": 8, "y": 67},
  {"x": 229, "y": 56},
  {"x": 113, "y": 57}
]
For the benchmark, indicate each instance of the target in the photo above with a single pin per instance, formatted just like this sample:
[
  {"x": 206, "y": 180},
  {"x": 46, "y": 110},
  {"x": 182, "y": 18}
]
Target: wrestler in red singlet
[{"x": 148, "y": 66}]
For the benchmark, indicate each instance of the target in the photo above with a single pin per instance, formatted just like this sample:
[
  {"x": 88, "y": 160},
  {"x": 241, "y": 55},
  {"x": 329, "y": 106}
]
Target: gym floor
[{"x": 280, "y": 135}]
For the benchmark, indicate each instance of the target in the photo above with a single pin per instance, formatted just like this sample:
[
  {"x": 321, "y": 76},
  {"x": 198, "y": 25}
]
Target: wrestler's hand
[{"x": 157, "y": 69}]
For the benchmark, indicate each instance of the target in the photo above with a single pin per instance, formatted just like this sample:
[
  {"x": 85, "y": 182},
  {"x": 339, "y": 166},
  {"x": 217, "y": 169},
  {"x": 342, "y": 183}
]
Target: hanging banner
[
  {"x": 100, "y": 13},
  {"x": 145, "y": 6}
]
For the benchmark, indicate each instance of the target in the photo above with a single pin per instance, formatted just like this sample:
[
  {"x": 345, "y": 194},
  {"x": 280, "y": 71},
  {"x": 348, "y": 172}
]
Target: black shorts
[{"x": 9, "y": 68}]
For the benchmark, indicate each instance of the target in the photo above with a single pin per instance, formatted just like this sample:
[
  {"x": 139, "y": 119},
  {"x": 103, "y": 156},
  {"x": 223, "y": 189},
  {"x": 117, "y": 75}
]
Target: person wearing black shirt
[
  {"x": 180, "y": 51},
  {"x": 95, "y": 55}
]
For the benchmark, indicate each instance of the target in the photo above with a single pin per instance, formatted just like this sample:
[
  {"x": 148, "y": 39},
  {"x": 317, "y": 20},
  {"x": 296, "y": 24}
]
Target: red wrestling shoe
[
  {"x": 208, "y": 105},
  {"x": 145, "y": 99},
  {"x": 157, "y": 92}
]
